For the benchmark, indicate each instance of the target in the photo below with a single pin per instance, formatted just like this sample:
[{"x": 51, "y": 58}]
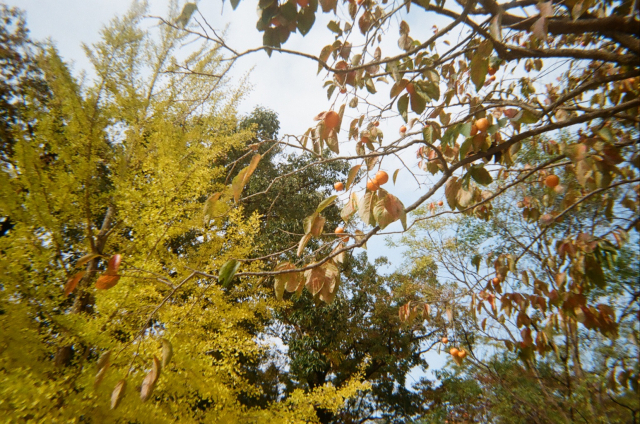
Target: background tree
[{"x": 576, "y": 374}]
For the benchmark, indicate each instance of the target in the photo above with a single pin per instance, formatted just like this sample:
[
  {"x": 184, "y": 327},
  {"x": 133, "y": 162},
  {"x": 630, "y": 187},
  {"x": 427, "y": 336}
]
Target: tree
[
  {"x": 579, "y": 348},
  {"x": 463, "y": 110},
  {"x": 21, "y": 81},
  {"x": 104, "y": 291}
]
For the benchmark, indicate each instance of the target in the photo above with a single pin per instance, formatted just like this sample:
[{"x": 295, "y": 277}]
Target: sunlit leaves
[
  {"x": 353, "y": 172},
  {"x": 350, "y": 207},
  {"x": 314, "y": 224}
]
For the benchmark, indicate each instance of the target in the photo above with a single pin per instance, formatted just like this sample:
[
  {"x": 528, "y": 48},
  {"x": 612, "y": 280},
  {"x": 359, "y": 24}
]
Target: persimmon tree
[
  {"x": 117, "y": 294},
  {"x": 517, "y": 74}
]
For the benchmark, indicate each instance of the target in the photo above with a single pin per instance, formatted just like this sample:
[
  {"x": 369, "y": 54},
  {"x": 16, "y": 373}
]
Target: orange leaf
[
  {"x": 114, "y": 263},
  {"x": 72, "y": 283},
  {"x": 107, "y": 280}
]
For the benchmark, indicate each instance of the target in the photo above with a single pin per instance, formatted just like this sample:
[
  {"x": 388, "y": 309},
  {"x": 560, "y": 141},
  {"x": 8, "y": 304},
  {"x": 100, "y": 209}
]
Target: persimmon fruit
[
  {"x": 440, "y": 203},
  {"x": 445, "y": 340},
  {"x": 339, "y": 186},
  {"x": 403, "y": 129},
  {"x": 453, "y": 351},
  {"x": 372, "y": 185},
  {"x": 551, "y": 181},
  {"x": 482, "y": 124},
  {"x": 474, "y": 130},
  {"x": 461, "y": 354},
  {"x": 381, "y": 177}
]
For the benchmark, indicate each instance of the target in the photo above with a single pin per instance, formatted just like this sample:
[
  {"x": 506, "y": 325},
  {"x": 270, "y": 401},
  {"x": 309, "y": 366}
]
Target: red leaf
[
  {"x": 114, "y": 262},
  {"x": 107, "y": 280},
  {"x": 72, "y": 283}
]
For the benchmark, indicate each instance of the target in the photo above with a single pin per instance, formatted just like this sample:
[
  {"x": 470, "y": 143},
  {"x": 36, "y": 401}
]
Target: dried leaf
[
  {"x": 107, "y": 281},
  {"x": 303, "y": 242},
  {"x": 72, "y": 283},
  {"x": 118, "y": 393},
  {"x": 353, "y": 172},
  {"x": 149, "y": 382}
]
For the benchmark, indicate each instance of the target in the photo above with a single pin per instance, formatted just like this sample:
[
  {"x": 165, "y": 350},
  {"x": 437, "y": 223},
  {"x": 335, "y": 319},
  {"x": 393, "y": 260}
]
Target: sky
[{"x": 287, "y": 84}]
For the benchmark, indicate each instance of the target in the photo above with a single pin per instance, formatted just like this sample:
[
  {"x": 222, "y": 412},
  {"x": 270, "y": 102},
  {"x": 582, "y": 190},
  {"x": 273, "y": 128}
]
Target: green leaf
[
  {"x": 234, "y": 4},
  {"x": 418, "y": 101},
  {"x": 465, "y": 129},
  {"x": 476, "y": 261},
  {"x": 306, "y": 19},
  {"x": 464, "y": 148},
  {"x": 480, "y": 175},
  {"x": 334, "y": 27},
  {"x": 479, "y": 69},
  {"x": 326, "y": 202},
  {"x": 227, "y": 272},
  {"x": 403, "y": 104}
]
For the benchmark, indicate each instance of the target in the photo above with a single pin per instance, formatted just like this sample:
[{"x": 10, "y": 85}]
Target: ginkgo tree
[{"x": 117, "y": 293}]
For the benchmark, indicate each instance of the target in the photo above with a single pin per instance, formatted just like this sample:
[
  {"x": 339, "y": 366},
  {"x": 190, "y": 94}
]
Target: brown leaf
[
  {"x": 365, "y": 21},
  {"x": 303, "y": 242},
  {"x": 330, "y": 287},
  {"x": 319, "y": 276},
  {"x": 72, "y": 283},
  {"x": 539, "y": 29},
  {"x": 149, "y": 382},
  {"x": 107, "y": 281},
  {"x": 290, "y": 281},
  {"x": 118, "y": 393}
]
